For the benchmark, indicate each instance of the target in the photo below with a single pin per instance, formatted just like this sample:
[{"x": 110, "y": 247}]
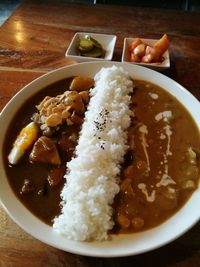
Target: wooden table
[{"x": 33, "y": 41}]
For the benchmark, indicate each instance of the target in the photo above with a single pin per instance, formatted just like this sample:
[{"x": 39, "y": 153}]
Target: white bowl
[
  {"x": 107, "y": 41},
  {"x": 119, "y": 245},
  {"x": 156, "y": 66}
]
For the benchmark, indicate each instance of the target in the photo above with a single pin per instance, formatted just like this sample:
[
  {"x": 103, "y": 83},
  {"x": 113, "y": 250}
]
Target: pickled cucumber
[
  {"x": 95, "y": 42},
  {"x": 95, "y": 52},
  {"x": 89, "y": 47},
  {"x": 85, "y": 45}
]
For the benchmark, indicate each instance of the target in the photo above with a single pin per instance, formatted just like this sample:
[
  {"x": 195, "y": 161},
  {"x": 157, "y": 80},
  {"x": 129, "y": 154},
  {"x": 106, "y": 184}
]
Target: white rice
[{"x": 92, "y": 178}]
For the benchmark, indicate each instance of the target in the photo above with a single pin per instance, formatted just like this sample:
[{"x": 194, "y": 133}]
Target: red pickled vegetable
[
  {"x": 134, "y": 58},
  {"x": 135, "y": 44},
  {"x": 162, "y": 44},
  {"x": 141, "y": 52}
]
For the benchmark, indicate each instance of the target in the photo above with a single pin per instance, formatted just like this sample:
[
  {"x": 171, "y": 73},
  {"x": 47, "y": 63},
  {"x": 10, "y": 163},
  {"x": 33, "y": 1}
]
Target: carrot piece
[
  {"x": 56, "y": 176},
  {"x": 135, "y": 44},
  {"x": 162, "y": 44}
]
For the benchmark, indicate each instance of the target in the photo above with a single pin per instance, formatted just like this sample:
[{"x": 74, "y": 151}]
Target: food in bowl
[
  {"x": 162, "y": 135},
  {"x": 92, "y": 174},
  {"x": 144, "y": 53}
]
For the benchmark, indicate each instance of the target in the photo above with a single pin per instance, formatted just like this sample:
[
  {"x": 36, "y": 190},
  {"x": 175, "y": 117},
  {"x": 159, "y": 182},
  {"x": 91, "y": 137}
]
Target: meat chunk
[
  {"x": 56, "y": 175},
  {"x": 27, "y": 187},
  {"x": 45, "y": 151},
  {"x": 67, "y": 108}
]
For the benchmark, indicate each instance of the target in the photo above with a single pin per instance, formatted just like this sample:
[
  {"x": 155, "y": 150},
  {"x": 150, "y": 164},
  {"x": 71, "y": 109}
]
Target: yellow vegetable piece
[
  {"x": 81, "y": 83},
  {"x": 25, "y": 139}
]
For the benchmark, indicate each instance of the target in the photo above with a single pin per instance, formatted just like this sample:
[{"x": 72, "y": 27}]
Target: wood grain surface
[{"x": 33, "y": 41}]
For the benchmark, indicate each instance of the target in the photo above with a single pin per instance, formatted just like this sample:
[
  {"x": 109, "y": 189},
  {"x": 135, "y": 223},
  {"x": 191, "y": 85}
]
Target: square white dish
[
  {"x": 107, "y": 41},
  {"x": 156, "y": 66}
]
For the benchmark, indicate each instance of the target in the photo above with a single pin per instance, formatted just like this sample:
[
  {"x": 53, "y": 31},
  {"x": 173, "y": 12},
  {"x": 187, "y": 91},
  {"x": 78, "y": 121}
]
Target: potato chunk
[
  {"x": 123, "y": 221},
  {"x": 81, "y": 83}
]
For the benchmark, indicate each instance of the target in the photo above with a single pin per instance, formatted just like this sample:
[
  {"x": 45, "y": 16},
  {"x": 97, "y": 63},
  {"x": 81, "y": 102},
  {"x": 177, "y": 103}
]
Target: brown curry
[{"x": 160, "y": 169}]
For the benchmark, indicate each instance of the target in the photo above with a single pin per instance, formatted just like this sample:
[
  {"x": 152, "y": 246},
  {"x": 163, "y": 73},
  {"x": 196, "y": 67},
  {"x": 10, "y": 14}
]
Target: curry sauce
[{"x": 162, "y": 166}]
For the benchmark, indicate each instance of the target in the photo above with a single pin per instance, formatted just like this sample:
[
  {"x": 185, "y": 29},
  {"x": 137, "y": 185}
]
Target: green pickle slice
[
  {"x": 86, "y": 45},
  {"x": 89, "y": 47},
  {"x": 95, "y": 52},
  {"x": 95, "y": 42}
]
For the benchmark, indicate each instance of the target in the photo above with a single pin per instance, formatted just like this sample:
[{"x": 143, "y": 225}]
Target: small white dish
[
  {"x": 156, "y": 66},
  {"x": 107, "y": 41}
]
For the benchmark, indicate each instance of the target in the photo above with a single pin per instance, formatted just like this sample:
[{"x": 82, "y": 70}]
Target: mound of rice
[{"x": 92, "y": 177}]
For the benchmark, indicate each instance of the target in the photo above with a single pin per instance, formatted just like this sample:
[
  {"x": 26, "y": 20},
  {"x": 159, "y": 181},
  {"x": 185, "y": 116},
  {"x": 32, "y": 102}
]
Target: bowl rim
[{"x": 125, "y": 245}]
